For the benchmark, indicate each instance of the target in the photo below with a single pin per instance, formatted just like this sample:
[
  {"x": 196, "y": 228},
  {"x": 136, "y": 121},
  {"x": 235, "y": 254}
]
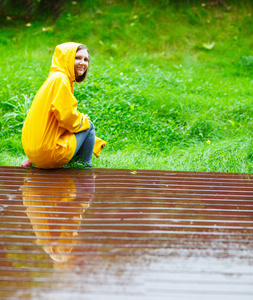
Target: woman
[{"x": 54, "y": 130}]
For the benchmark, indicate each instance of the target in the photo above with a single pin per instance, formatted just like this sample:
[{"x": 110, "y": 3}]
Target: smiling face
[{"x": 81, "y": 62}]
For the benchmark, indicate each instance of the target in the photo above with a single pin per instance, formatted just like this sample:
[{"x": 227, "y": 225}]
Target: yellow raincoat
[{"x": 48, "y": 133}]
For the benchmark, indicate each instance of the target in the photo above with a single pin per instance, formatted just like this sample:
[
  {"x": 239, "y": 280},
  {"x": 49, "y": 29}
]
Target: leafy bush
[{"x": 32, "y": 7}]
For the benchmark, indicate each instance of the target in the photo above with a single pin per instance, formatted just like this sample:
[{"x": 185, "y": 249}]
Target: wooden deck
[{"x": 121, "y": 234}]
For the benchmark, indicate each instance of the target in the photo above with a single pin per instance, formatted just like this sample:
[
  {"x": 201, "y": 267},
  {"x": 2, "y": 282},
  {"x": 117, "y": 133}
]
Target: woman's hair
[{"x": 82, "y": 77}]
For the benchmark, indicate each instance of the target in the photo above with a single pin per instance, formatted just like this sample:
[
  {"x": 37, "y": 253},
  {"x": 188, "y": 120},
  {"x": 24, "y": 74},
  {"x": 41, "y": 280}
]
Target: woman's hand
[{"x": 87, "y": 117}]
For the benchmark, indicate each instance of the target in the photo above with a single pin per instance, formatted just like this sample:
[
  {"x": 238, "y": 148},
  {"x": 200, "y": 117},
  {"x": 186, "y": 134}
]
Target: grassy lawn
[{"x": 169, "y": 86}]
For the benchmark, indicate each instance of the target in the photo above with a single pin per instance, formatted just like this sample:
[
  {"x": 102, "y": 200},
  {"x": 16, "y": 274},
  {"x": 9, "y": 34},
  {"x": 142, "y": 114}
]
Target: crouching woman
[{"x": 54, "y": 130}]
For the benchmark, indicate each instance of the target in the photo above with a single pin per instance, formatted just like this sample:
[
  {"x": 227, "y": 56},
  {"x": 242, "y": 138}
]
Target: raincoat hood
[{"x": 64, "y": 59}]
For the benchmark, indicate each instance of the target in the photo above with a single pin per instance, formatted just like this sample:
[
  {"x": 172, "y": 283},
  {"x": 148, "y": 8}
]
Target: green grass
[
  {"x": 227, "y": 156},
  {"x": 155, "y": 92}
]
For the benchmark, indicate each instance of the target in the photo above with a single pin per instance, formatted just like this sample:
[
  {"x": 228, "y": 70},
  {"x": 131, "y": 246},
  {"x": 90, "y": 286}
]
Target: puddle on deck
[{"x": 119, "y": 234}]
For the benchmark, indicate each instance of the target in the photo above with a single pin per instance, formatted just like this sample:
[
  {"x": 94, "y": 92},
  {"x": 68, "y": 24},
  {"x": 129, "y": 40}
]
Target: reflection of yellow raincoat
[
  {"x": 56, "y": 210},
  {"x": 48, "y": 132}
]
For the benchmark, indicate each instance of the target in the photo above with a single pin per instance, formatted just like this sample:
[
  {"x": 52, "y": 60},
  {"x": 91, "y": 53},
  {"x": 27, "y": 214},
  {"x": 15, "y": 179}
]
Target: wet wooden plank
[{"x": 125, "y": 234}]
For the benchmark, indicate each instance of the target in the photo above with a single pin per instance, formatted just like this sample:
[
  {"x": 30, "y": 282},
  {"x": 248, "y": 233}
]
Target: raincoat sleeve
[
  {"x": 64, "y": 107},
  {"x": 98, "y": 146}
]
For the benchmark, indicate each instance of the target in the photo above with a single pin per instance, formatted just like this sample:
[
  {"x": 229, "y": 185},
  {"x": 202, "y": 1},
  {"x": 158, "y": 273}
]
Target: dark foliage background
[{"x": 34, "y": 8}]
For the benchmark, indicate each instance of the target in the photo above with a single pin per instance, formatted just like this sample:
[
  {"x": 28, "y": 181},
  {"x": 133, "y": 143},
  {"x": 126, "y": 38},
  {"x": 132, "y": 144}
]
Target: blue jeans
[{"x": 85, "y": 141}]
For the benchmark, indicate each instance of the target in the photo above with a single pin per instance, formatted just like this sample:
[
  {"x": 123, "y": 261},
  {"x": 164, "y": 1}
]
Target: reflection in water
[{"x": 56, "y": 206}]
